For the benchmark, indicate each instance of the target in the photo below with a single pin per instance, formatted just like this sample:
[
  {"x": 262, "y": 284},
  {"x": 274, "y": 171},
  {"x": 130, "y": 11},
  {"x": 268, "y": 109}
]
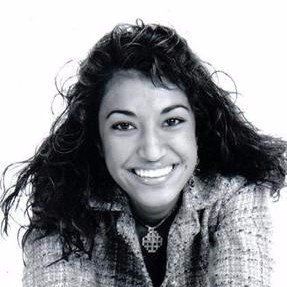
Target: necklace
[{"x": 152, "y": 241}]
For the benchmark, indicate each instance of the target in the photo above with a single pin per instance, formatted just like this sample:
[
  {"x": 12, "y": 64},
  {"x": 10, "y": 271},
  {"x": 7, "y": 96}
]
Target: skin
[{"x": 147, "y": 127}]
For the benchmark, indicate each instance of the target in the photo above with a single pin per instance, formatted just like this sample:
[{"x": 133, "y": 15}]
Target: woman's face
[{"x": 148, "y": 139}]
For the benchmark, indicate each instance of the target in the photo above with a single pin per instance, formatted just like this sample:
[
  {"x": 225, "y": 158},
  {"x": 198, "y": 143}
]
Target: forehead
[{"x": 132, "y": 90}]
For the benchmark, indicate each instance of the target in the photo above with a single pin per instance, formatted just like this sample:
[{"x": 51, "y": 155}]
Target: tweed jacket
[{"x": 219, "y": 237}]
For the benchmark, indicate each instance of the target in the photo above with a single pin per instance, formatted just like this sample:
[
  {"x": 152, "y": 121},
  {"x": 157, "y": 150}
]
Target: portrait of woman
[{"x": 151, "y": 176}]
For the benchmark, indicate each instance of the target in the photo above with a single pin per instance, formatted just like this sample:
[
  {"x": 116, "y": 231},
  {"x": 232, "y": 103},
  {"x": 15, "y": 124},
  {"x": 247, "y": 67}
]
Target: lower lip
[{"x": 154, "y": 180}]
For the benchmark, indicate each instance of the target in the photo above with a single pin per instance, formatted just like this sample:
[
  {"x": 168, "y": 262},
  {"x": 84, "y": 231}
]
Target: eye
[
  {"x": 123, "y": 126},
  {"x": 172, "y": 122}
]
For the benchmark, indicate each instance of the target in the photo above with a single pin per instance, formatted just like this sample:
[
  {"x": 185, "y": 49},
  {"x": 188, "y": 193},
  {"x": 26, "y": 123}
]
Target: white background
[{"x": 246, "y": 39}]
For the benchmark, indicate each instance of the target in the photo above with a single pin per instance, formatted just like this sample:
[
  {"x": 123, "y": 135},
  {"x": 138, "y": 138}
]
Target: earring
[
  {"x": 197, "y": 169},
  {"x": 190, "y": 182}
]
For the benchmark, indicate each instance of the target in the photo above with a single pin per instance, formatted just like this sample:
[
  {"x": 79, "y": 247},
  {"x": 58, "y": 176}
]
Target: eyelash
[
  {"x": 178, "y": 120},
  {"x": 119, "y": 125}
]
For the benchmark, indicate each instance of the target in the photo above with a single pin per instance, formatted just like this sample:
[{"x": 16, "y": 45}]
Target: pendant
[{"x": 152, "y": 241}]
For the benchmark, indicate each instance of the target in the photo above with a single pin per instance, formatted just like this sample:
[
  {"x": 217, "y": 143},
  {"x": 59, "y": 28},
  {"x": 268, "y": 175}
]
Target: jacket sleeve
[
  {"x": 39, "y": 272},
  {"x": 242, "y": 240}
]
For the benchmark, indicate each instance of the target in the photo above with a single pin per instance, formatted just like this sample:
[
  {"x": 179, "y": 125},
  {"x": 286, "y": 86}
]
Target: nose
[{"x": 152, "y": 146}]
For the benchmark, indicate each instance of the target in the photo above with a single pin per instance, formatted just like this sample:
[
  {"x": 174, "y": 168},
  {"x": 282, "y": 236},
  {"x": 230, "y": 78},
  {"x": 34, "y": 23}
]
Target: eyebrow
[
  {"x": 170, "y": 108},
  {"x": 164, "y": 111}
]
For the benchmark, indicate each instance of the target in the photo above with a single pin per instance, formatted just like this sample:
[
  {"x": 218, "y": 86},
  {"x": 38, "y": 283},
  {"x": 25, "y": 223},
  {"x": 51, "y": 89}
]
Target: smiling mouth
[{"x": 154, "y": 173}]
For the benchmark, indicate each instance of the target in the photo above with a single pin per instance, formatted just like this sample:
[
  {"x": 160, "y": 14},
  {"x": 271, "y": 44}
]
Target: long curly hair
[{"x": 68, "y": 169}]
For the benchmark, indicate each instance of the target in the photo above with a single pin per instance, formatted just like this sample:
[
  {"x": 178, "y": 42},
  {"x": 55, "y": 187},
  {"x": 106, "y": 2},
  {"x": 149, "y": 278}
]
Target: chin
[{"x": 159, "y": 198}]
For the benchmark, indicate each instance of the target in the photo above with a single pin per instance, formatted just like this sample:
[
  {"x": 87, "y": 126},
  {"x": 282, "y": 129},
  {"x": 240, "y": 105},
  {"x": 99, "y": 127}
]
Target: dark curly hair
[{"x": 68, "y": 170}]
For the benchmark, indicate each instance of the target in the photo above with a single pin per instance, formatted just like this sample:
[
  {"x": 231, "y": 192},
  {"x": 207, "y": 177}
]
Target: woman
[{"x": 151, "y": 176}]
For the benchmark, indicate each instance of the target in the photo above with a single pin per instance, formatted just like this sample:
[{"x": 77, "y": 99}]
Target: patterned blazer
[{"x": 219, "y": 237}]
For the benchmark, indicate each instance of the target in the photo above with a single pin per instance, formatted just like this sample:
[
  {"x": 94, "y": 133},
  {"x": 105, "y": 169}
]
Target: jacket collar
[{"x": 200, "y": 195}]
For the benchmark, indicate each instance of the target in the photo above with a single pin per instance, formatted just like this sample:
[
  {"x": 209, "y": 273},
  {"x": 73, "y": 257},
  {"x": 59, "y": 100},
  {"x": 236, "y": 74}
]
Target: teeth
[{"x": 151, "y": 173}]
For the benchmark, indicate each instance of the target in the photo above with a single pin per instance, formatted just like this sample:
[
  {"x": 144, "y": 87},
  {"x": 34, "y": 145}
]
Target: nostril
[
  {"x": 151, "y": 152},
  {"x": 152, "y": 157}
]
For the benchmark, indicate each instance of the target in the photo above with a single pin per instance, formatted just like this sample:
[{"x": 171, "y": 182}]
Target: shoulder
[
  {"x": 39, "y": 247},
  {"x": 241, "y": 234},
  {"x": 221, "y": 190},
  {"x": 239, "y": 191},
  {"x": 44, "y": 265},
  {"x": 225, "y": 189},
  {"x": 231, "y": 197},
  {"x": 242, "y": 203}
]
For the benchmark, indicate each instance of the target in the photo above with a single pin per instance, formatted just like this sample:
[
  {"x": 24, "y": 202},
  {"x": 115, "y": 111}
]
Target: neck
[{"x": 152, "y": 215}]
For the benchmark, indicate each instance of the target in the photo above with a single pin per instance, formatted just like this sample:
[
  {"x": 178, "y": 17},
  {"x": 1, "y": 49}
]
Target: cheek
[
  {"x": 116, "y": 152},
  {"x": 185, "y": 144}
]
